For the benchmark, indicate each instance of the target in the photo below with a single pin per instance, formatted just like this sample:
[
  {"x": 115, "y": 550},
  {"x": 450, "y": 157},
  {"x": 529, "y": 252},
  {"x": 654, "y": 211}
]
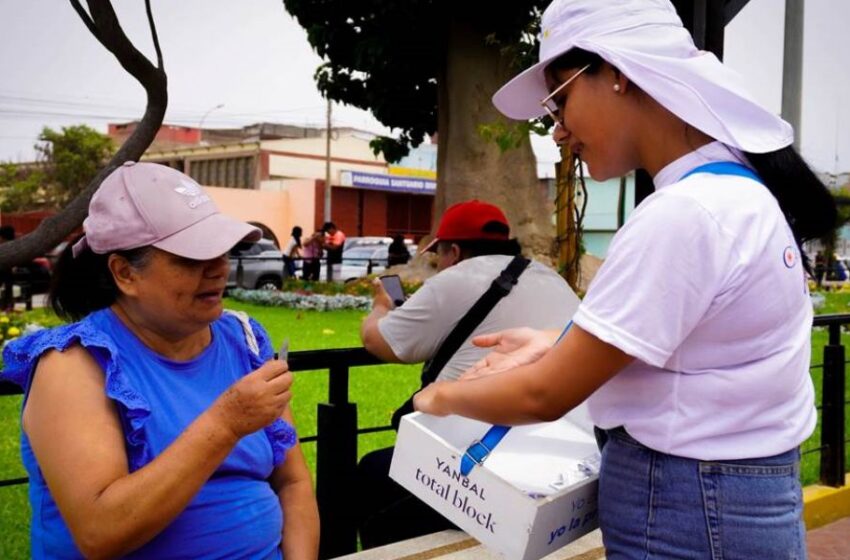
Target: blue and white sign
[{"x": 391, "y": 183}]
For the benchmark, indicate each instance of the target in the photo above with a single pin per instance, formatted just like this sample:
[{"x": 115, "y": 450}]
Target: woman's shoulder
[{"x": 22, "y": 354}]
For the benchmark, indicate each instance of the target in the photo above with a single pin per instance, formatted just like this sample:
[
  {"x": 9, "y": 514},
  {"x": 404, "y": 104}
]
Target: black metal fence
[
  {"x": 337, "y": 432},
  {"x": 833, "y": 404}
]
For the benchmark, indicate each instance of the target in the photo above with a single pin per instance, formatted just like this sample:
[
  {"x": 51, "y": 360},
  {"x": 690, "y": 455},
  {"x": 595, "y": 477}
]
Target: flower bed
[{"x": 302, "y": 300}]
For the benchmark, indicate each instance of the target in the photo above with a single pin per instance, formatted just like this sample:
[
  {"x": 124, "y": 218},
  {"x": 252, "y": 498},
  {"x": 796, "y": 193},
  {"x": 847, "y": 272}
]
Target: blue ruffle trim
[{"x": 21, "y": 355}]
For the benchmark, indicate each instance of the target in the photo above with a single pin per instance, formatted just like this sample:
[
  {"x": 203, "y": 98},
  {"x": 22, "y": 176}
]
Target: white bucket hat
[{"x": 646, "y": 41}]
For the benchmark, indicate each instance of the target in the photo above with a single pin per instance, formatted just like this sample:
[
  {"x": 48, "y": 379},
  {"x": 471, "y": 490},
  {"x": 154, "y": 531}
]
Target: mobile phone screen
[{"x": 393, "y": 287}]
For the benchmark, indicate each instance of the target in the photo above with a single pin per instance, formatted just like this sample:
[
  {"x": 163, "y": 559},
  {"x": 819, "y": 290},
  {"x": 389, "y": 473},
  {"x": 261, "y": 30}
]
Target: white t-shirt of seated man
[{"x": 416, "y": 330}]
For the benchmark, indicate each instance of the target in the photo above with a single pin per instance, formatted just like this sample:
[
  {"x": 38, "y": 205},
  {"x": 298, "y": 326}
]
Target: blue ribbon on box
[{"x": 480, "y": 449}]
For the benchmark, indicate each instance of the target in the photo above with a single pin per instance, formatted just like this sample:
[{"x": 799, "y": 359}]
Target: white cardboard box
[{"x": 498, "y": 503}]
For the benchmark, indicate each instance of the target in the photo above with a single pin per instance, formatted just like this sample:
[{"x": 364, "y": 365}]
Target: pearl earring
[{"x": 616, "y": 87}]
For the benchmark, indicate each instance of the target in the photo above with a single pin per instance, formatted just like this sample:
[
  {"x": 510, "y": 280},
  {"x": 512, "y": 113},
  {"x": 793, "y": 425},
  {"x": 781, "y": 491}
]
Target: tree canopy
[{"x": 389, "y": 56}]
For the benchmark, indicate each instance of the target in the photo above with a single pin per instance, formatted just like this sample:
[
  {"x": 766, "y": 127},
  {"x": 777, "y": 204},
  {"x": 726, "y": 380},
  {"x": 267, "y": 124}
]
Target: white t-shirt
[
  {"x": 705, "y": 288},
  {"x": 541, "y": 300},
  {"x": 292, "y": 244}
]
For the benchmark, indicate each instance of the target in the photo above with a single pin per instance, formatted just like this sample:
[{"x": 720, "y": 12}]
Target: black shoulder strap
[{"x": 500, "y": 287}]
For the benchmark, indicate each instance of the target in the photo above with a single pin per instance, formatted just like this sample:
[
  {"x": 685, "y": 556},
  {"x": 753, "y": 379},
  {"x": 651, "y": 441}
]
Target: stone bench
[{"x": 457, "y": 545}]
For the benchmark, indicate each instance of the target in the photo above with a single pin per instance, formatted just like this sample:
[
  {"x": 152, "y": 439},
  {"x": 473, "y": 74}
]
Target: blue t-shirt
[{"x": 236, "y": 514}]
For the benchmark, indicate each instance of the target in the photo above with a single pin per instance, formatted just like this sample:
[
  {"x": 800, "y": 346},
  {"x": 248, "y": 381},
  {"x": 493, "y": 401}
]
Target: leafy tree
[
  {"x": 426, "y": 66},
  {"x": 68, "y": 161},
  {"x": 72, "y": 157},
  {"x": 21, "y": 189}
]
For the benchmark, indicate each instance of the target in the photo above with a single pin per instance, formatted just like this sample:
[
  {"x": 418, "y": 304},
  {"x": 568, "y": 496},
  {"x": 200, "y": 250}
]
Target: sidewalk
[{"x": 830, "y": 542}]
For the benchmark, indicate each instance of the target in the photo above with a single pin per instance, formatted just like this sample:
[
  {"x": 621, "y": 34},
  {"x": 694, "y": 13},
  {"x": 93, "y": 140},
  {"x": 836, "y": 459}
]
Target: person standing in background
[
  {"x": 334, "y": 243},
  {"x": 311, "y": 252},
  {"x": 397, "y": 252},
  {"x": 292, "y": 251}
]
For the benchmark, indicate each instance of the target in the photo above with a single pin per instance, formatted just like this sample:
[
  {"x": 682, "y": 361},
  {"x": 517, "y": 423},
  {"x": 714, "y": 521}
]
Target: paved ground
[{"x": 831, "y": 542}]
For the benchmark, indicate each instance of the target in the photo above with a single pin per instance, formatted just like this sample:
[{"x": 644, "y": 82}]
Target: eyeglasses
[{"x": 552, "y": 107}]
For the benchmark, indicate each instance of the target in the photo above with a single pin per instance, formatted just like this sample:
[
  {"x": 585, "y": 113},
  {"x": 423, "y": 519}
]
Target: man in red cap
[{"x": 473, "y": 247}]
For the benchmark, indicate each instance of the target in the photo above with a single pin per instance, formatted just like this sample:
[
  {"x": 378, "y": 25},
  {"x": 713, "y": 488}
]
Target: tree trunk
[
  {"x": 103, "y": 24},
  {"x": 468, "y": 166}
]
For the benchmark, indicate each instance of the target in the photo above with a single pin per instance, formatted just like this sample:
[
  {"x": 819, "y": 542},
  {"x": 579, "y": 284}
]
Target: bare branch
[
  {"x": 154, "y": 36},
  {"x": 103, "y": 24},
  {"x": 85, "y": 17}
]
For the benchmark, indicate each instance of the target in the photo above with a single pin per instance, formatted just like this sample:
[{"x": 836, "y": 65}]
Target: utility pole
[
  {"x": 328, "y": 164},
  {"x": 792, "y": 66}
]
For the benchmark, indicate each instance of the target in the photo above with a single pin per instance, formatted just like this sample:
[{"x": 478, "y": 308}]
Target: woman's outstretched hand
[{"x": 511, "y": 348}]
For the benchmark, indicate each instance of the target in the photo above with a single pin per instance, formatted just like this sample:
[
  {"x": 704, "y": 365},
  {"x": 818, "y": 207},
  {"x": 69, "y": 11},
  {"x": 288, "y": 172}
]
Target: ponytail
[
  {"x": 806, "y": 202},
  {"x": 84, "y": 284}
]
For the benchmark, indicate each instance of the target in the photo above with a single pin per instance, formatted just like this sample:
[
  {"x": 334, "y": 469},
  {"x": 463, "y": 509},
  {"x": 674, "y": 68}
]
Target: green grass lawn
[{"x": 377, "y": 390}]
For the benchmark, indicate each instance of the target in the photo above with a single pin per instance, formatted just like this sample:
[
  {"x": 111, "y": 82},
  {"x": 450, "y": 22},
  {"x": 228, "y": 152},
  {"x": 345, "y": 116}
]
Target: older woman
[
  {"x": 693, "y": 341},
  {"x": 156, "y": 426}
]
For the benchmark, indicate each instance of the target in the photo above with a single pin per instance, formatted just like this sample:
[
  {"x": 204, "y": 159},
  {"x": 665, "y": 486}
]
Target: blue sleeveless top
[{"x": 236, "y": 514}]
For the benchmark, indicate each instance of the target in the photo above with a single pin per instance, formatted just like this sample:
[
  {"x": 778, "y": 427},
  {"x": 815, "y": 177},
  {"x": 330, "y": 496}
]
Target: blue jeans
[{"x": 653, "y": 505}]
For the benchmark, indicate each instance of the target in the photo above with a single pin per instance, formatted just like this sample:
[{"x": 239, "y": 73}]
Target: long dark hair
[
  {"x": 297, "y": 232},
  {"x": 84, "y": 284},
  {"x": 806, "y": 202}
]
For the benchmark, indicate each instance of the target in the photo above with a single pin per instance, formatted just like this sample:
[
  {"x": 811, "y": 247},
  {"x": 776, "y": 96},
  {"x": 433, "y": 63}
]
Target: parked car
[
  {"x": 262, "y": 266},
  {"x": 363, "y": 259},
  {"x": 351, "y": 242}
]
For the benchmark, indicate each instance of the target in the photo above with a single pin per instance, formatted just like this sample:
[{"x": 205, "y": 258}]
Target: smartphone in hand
[{"x": 392, "y": 285}]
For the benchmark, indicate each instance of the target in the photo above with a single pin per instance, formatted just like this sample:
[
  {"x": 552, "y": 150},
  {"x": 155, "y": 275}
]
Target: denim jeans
[{"x": 653, "y": 505}]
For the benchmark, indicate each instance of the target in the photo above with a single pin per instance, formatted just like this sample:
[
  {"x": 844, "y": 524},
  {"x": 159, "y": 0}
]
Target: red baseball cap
[{"x": 465, "y": 221}]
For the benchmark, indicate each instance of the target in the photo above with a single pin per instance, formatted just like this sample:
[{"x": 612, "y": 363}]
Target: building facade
[{"x": 274, "y": 175}]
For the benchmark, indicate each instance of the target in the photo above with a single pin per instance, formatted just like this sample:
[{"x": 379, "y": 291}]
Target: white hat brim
[{"x": 519, "y": 99}]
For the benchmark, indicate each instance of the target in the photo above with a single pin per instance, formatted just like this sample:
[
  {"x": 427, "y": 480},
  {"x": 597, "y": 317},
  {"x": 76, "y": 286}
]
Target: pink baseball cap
[{"x": 141, "y": 204}]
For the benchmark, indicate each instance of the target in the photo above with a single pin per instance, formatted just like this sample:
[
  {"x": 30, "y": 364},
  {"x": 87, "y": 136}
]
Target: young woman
[
  {"x": 155, "y": 426},
  {"x": 292, "y": 251},
  {"x": 692, "y": 343}
]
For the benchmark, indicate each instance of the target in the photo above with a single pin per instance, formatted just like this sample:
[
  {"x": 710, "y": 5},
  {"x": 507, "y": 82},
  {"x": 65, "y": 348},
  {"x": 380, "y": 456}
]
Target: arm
[
  {"x": 371, "y": 336},
  {"x": 539, "y": 392},
  {"x": 77, "y": 438},
  {"x": 291, "y": 480}
]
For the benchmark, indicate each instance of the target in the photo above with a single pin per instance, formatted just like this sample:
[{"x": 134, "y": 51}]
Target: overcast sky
[{"x": 251, "y": 57}]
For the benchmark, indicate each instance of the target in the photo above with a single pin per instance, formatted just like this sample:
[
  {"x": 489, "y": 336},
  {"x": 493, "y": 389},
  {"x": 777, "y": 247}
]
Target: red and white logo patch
[{"x": 789, "y": 256}]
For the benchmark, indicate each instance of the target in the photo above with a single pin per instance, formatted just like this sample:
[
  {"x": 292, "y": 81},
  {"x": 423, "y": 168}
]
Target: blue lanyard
[
  {"x": 725, "y": 168},
  {"x": 480, "y": 449}
]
